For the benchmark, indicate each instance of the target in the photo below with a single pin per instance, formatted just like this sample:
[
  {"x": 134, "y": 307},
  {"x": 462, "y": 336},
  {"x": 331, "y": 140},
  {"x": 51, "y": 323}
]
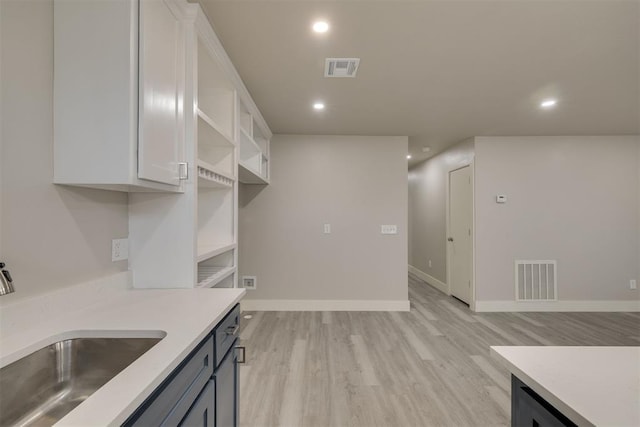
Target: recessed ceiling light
[
  {"x": 320, "y": 26},
  {"x": 318, "y": 106},
  {"x": 548, "y": 103},
  {"x": 408, "y": 156}
]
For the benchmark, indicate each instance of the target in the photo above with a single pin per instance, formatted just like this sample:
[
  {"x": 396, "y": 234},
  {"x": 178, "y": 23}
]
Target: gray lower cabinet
[
  {"x": 226, "y": 383},
  {"x": 528, "y": 409},
  {"x": 203, "y": 412},
  {"x": 203, "y": 391}
]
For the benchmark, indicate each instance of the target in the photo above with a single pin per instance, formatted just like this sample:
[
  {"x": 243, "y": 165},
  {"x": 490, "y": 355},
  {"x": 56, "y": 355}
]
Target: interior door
[
  {"x": 460, "y": 233},
  {"x": 159, "y": 139}
]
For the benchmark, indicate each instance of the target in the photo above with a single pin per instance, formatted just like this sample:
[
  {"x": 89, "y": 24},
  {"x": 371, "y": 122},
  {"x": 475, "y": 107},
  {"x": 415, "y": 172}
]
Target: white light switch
[
  {"x": 389, "y": 229},
  {"x": 501, "y": 198},
  {"x": 327, "y": 229}
]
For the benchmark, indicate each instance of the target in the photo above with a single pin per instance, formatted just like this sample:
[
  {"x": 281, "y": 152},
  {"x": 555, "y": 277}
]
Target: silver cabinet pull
[
  {"x": 232, "y": 330},
  {"x": 242, "y": 350},
  {"x": 183, "y": 171}
]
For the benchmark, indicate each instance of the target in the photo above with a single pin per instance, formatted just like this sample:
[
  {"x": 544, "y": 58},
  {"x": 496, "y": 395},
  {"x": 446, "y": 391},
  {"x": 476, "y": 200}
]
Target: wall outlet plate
[
  {"x": 633, "y": 284},
  {"x": 119, "y": 249},
  {"x": 326, "y": 229},
  {"x": 249, "y": 282}
]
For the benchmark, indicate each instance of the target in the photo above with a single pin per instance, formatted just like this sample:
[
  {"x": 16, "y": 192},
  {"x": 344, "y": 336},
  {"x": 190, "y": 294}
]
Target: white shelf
[
  {"x": 210, "y": 251},
  {"x": 248, "y": 175},
  {"x": 208, "y": 120},
  {"x": 209, "y": 178},
  {"x": 208, "y": 277}
]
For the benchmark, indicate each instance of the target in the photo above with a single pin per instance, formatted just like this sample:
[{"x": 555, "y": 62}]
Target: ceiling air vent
[{"x": 341, "y": 67}]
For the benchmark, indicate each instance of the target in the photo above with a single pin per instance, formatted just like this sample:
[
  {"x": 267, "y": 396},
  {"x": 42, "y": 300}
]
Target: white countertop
[
  {"x": 184, "y": 315},
  {"x": 597, "y": 386}
]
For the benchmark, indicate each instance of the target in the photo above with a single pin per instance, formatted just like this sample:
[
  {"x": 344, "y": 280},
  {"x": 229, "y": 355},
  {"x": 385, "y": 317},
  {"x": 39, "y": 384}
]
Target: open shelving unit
[
  {"x": 213, "y": 277},
  {"x": 253, "y": 165},
  {"x": 226, "y": 142},
  {"x": 207, "y": 252},
  {"x": 217, "y": 159},
  {"x": 217, "y": 271}
]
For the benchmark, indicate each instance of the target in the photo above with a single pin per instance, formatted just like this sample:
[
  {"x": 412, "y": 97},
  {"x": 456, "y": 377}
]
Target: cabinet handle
[
  {"x": 232, "y": 330},
  {"x": 183, "y": 170},
  {"x": 243, "y": 351}
]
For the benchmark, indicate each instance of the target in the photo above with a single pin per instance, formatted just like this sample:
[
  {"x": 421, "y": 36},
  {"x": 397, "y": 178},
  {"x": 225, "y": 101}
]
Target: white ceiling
[{"x": 439, "y": 71}]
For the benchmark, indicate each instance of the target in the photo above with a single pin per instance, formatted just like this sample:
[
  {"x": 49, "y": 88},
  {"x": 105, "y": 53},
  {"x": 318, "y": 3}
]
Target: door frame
[{"x": 472, "y": 302}]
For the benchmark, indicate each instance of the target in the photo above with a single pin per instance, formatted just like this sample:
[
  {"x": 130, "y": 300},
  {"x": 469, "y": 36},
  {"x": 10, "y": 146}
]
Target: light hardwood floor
[{"x": 428, "y": 367}]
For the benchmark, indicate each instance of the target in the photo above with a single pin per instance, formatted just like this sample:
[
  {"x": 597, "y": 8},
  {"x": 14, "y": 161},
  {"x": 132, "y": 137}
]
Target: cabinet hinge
[{"x": 183, "y": 170}]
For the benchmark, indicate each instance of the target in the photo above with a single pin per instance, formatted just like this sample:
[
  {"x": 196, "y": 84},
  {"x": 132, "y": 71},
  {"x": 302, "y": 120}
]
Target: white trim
[
  {"x": 472, "y": 304},
  {"x": 431, "y": 281},
  {"x": 558, "y": 306},
  {"x": 323, "y": 305}
]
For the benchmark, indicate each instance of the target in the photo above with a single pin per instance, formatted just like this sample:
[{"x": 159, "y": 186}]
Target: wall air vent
[
  {"x": 341, "y": 67},
  {"x": 536, "y": 280}
]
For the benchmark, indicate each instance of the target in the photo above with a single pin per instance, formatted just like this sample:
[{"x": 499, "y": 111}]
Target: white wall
[
  {"x": 427, "y": 213},
  {"x": 354, "y": 183},
  {"x": 573, "y": 199},
  {"x": 50, "y": 236}
]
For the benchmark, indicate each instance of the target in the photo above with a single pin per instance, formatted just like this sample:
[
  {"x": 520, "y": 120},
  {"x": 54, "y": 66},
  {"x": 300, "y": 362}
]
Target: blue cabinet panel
[{"x": 204, "y": 389}]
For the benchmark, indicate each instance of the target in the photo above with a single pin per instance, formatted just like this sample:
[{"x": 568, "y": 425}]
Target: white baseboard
[
  {"x": 611, "y": 306},
  {"x": 439, "y": 285},
  {"x": 323, "y": 305}
]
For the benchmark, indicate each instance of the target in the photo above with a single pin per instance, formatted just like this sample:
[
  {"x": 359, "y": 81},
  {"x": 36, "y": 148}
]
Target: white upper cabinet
[
  {"x": 118, "y": 94},
  {"x": 160, "y": 75}
]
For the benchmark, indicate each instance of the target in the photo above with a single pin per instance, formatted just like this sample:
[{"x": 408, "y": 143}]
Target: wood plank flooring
[{"x": 428, "y": 367}]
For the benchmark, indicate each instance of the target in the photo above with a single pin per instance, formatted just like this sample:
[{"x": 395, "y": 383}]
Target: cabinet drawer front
[
  {"x": 202, "y": 414},
  {"x": 226, "y": 333},
  {"x": 182, "y": 386}
]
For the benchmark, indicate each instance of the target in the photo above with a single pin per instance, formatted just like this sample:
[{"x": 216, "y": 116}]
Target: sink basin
[{"x": 41, "y": 388}]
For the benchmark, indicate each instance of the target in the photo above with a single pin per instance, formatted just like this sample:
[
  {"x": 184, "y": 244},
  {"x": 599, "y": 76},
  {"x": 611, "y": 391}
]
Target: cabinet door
[
  {"x": 226, "y": 380},
  {"x": 160, "y": 97},
  {"x": 201, "y": 413}
]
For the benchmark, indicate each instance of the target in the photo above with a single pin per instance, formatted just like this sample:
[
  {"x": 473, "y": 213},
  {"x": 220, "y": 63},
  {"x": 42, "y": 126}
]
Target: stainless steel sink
[{"x": 41, "y": 388}]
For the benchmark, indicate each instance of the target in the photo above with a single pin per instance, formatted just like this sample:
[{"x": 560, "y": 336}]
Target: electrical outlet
[
  {"x": 249, "y": 282},
  {"x": 119, "y": 249},
  {"x": 429, "y": 263},
  {"x": 633, "y": 284},
  {"x": 327, "y": 229},
  {"x": 388, "y": 229}
]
